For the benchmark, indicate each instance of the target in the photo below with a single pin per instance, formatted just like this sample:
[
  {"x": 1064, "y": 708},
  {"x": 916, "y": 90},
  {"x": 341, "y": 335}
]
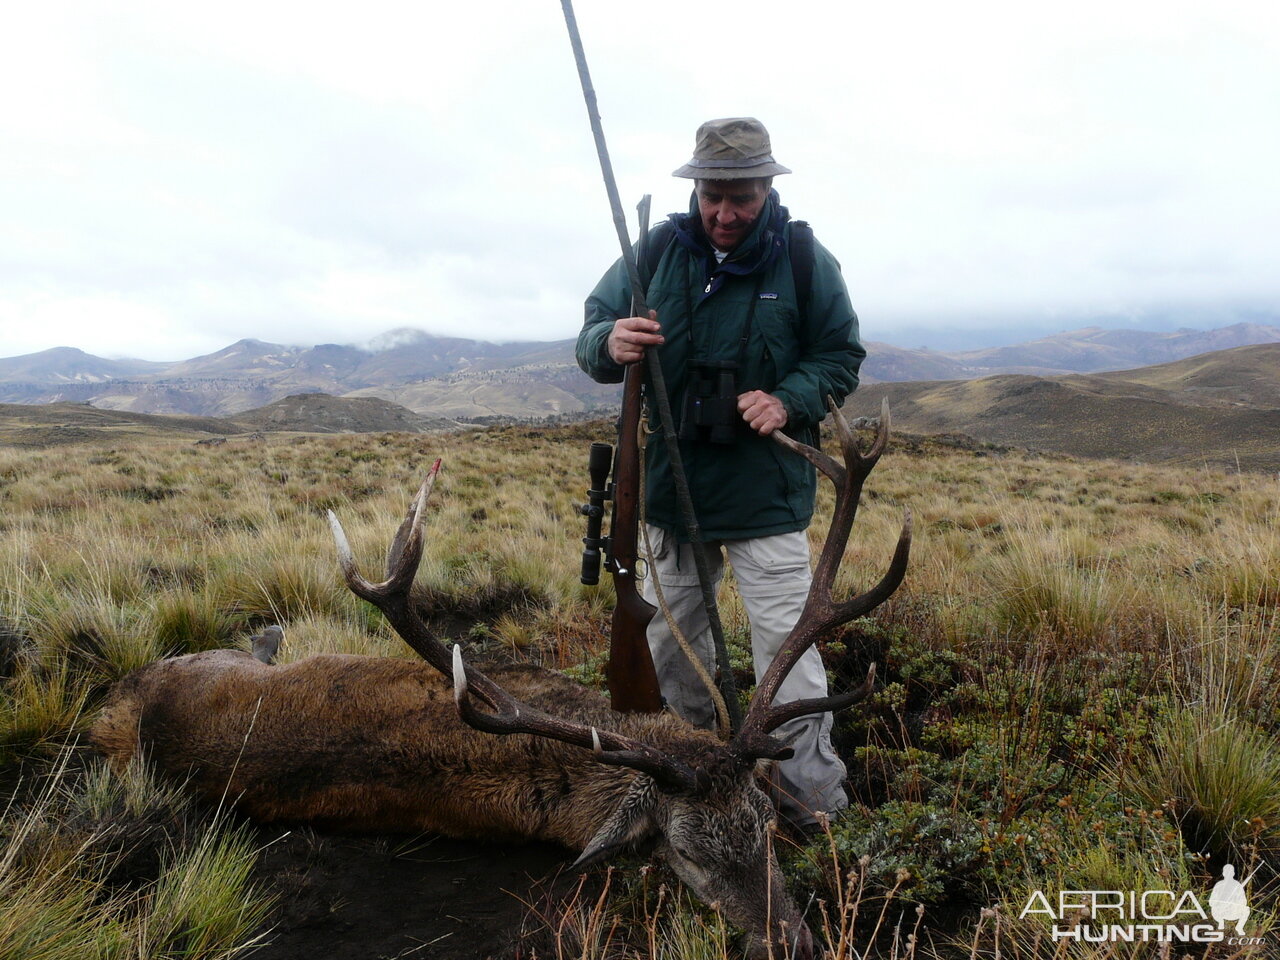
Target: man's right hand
[{"x": 631, "y": 335}]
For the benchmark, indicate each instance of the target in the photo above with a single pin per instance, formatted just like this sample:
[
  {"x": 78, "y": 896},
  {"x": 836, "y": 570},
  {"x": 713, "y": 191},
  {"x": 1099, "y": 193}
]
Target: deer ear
[{"x": 631, "y": 822}]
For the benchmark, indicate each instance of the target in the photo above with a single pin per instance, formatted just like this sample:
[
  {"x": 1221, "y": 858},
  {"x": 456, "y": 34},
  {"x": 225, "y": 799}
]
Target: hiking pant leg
[
  {"x": 673, "y": 565},
  {"x": 773, "y": 580}
]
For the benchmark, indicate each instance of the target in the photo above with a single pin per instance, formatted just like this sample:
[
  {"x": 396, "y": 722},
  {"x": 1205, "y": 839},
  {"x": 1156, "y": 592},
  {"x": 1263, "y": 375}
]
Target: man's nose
[{"x": 725, "y": 213}]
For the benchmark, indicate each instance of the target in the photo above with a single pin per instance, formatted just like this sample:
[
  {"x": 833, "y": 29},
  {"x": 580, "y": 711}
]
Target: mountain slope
[
  {"x": 1094, "y": 349},
  {"x": 1170, "y": 414},
  {"x": 1243, "y": 375},
  {"x": 319, "y": 413},
  {"x": 43, "y": 425},
  {"x": 69, "y": 365}
]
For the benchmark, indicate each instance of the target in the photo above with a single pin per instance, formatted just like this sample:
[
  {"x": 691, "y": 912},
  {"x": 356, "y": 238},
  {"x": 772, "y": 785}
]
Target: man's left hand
[{"x": 763, "y": 412}]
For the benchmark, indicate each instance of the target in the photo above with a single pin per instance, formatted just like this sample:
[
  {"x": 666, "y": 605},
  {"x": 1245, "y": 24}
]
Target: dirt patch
[{"x": 388, "y": 897}]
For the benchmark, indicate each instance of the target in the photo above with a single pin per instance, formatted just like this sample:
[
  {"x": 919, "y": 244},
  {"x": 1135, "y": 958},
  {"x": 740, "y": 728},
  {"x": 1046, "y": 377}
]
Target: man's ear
[{"x": 631, "y": 822}]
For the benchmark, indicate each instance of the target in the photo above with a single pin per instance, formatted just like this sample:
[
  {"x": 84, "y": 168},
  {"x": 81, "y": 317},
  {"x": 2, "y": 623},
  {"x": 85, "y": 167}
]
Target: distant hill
[
  {"x": 1240, "y": 376},
  {"x": 450, "y": 377},
  {"x": 320, "y": 413},
  {"x": 44, "y": 425},
  {"x": 1221, "y": 408},
  {"x": 54, "y": 424}
]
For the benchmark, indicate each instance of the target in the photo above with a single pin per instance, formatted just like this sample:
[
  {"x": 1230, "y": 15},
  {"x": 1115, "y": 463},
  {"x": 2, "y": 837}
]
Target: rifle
[{"x": 633, "y": 683}]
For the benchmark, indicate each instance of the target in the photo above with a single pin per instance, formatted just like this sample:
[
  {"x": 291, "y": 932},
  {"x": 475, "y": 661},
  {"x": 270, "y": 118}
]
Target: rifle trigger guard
[{"x": 642, "y": 568}]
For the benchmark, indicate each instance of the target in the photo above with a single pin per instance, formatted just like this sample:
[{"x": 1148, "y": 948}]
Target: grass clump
[
  {"x": 39, "y": 708},
  {"x": 1219, "y": 777},
  {"x": 123, "y": 868}
]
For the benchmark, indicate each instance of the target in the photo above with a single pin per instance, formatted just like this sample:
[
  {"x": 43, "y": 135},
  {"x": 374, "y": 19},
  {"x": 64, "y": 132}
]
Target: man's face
[{"x": 729, "y": 209}]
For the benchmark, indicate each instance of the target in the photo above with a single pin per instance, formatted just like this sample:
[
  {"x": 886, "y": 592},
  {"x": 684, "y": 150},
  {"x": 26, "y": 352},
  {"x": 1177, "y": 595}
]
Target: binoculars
[{"x": 711, "y": 402}]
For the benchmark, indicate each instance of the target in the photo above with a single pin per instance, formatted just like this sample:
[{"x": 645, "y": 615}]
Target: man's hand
[
  {"x": 763, "y": 412},
  {"x": 631, "y": 335}
]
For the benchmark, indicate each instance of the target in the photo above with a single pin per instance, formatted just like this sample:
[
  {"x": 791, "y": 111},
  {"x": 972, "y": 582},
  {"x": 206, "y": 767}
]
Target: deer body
[
  {"x": 376, "y": 743},
  {"x": 373, "y": 743}
]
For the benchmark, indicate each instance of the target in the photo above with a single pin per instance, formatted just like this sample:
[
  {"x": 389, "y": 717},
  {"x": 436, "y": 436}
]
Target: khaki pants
[{"x": 773, "y": 581}]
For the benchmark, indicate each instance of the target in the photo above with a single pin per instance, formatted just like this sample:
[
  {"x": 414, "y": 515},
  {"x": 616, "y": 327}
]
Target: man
[{"x": 742, "y": 358}]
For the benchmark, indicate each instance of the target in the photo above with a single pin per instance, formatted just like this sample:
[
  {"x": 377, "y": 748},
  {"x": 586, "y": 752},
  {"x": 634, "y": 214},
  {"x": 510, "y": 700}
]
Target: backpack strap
[{"x": 800, "y": 246}]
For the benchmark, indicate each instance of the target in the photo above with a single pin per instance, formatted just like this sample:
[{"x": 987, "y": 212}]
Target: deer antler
[
  {"x": 821, "y": 613},
  {"x": 391, "y": 596}
]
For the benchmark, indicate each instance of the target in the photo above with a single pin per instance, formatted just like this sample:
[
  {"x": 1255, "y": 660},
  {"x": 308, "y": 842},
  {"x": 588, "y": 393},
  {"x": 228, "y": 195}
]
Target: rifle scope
[{"x": 599, "y": 462}]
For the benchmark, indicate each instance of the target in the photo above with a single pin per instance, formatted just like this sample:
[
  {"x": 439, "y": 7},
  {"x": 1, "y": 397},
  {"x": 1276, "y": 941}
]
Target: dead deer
[{"x": 519, "y": 752}]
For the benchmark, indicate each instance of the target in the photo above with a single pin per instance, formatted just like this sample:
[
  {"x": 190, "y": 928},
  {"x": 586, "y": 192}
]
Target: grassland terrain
[
  {"x": 1241, "y": 377},
  {"x": 1078, "y": 688}
]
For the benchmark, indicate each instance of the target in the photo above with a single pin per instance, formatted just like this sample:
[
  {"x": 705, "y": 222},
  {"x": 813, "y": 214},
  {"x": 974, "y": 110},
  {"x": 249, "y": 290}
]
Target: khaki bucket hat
[{"x": 735, "y": 148}]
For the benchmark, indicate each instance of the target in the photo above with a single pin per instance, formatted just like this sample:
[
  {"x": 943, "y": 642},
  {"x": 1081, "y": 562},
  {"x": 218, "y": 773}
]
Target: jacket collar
[{"x": 755, "y": 252}]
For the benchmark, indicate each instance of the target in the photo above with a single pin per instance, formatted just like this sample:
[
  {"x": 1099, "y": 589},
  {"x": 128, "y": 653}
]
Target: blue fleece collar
[{"x": 762, "y": 245}]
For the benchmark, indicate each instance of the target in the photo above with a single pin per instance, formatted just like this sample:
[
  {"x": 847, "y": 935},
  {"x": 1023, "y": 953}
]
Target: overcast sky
[{"x": 177, "y": 176}]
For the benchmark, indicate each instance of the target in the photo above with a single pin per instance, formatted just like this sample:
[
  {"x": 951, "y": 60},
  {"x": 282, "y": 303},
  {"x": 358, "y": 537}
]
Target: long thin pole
[
  {"x": 606, "y": 166},
  {"x": 728, "y": 687}
]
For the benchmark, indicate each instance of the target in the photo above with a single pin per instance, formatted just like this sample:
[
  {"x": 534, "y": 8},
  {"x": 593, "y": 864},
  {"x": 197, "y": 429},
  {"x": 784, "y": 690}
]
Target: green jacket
[{"x": 751, "y": 487}]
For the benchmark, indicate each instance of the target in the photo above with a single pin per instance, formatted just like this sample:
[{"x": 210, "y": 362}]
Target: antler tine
[
  {"x": 820, "y": 612},
  {"x": 868, "y": 600},
  {"x": 397, "y": 557},
  {"x": 822, "y": 461},
  {"x": 802, "y": 708},
  {"x": 512, "y": 716},
  {"x": 882, "y": 429},
  {"x": 403, "y": 556}
]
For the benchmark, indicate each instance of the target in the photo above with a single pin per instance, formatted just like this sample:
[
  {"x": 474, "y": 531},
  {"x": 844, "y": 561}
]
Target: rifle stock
[{"x": 632, "y": 681}]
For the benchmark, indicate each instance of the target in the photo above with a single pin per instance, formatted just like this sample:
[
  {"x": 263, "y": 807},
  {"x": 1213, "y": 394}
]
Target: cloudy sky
[{"x": 177, "y": 176}]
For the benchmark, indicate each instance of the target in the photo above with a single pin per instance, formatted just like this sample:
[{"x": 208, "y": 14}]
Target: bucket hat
[{"x": 735, "y": 148}]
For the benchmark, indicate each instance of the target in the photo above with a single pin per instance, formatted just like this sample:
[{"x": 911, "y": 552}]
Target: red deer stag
[{"x": 387, "y": 744}]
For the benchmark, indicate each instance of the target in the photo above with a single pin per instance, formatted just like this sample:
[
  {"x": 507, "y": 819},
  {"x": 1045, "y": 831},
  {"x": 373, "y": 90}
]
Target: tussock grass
[
  {"x": 1078, "y": 647},
  {"x": 1220, "y": 778},
  {"x": 187, "y": 619},
  {"x": 39, "y": 708},
  {"x": 122, "y": 868},
  {"x": 203, "y": 904}
]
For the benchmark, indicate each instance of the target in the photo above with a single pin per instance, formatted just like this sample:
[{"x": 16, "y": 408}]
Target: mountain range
[{"x": 458, "y": 378}]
